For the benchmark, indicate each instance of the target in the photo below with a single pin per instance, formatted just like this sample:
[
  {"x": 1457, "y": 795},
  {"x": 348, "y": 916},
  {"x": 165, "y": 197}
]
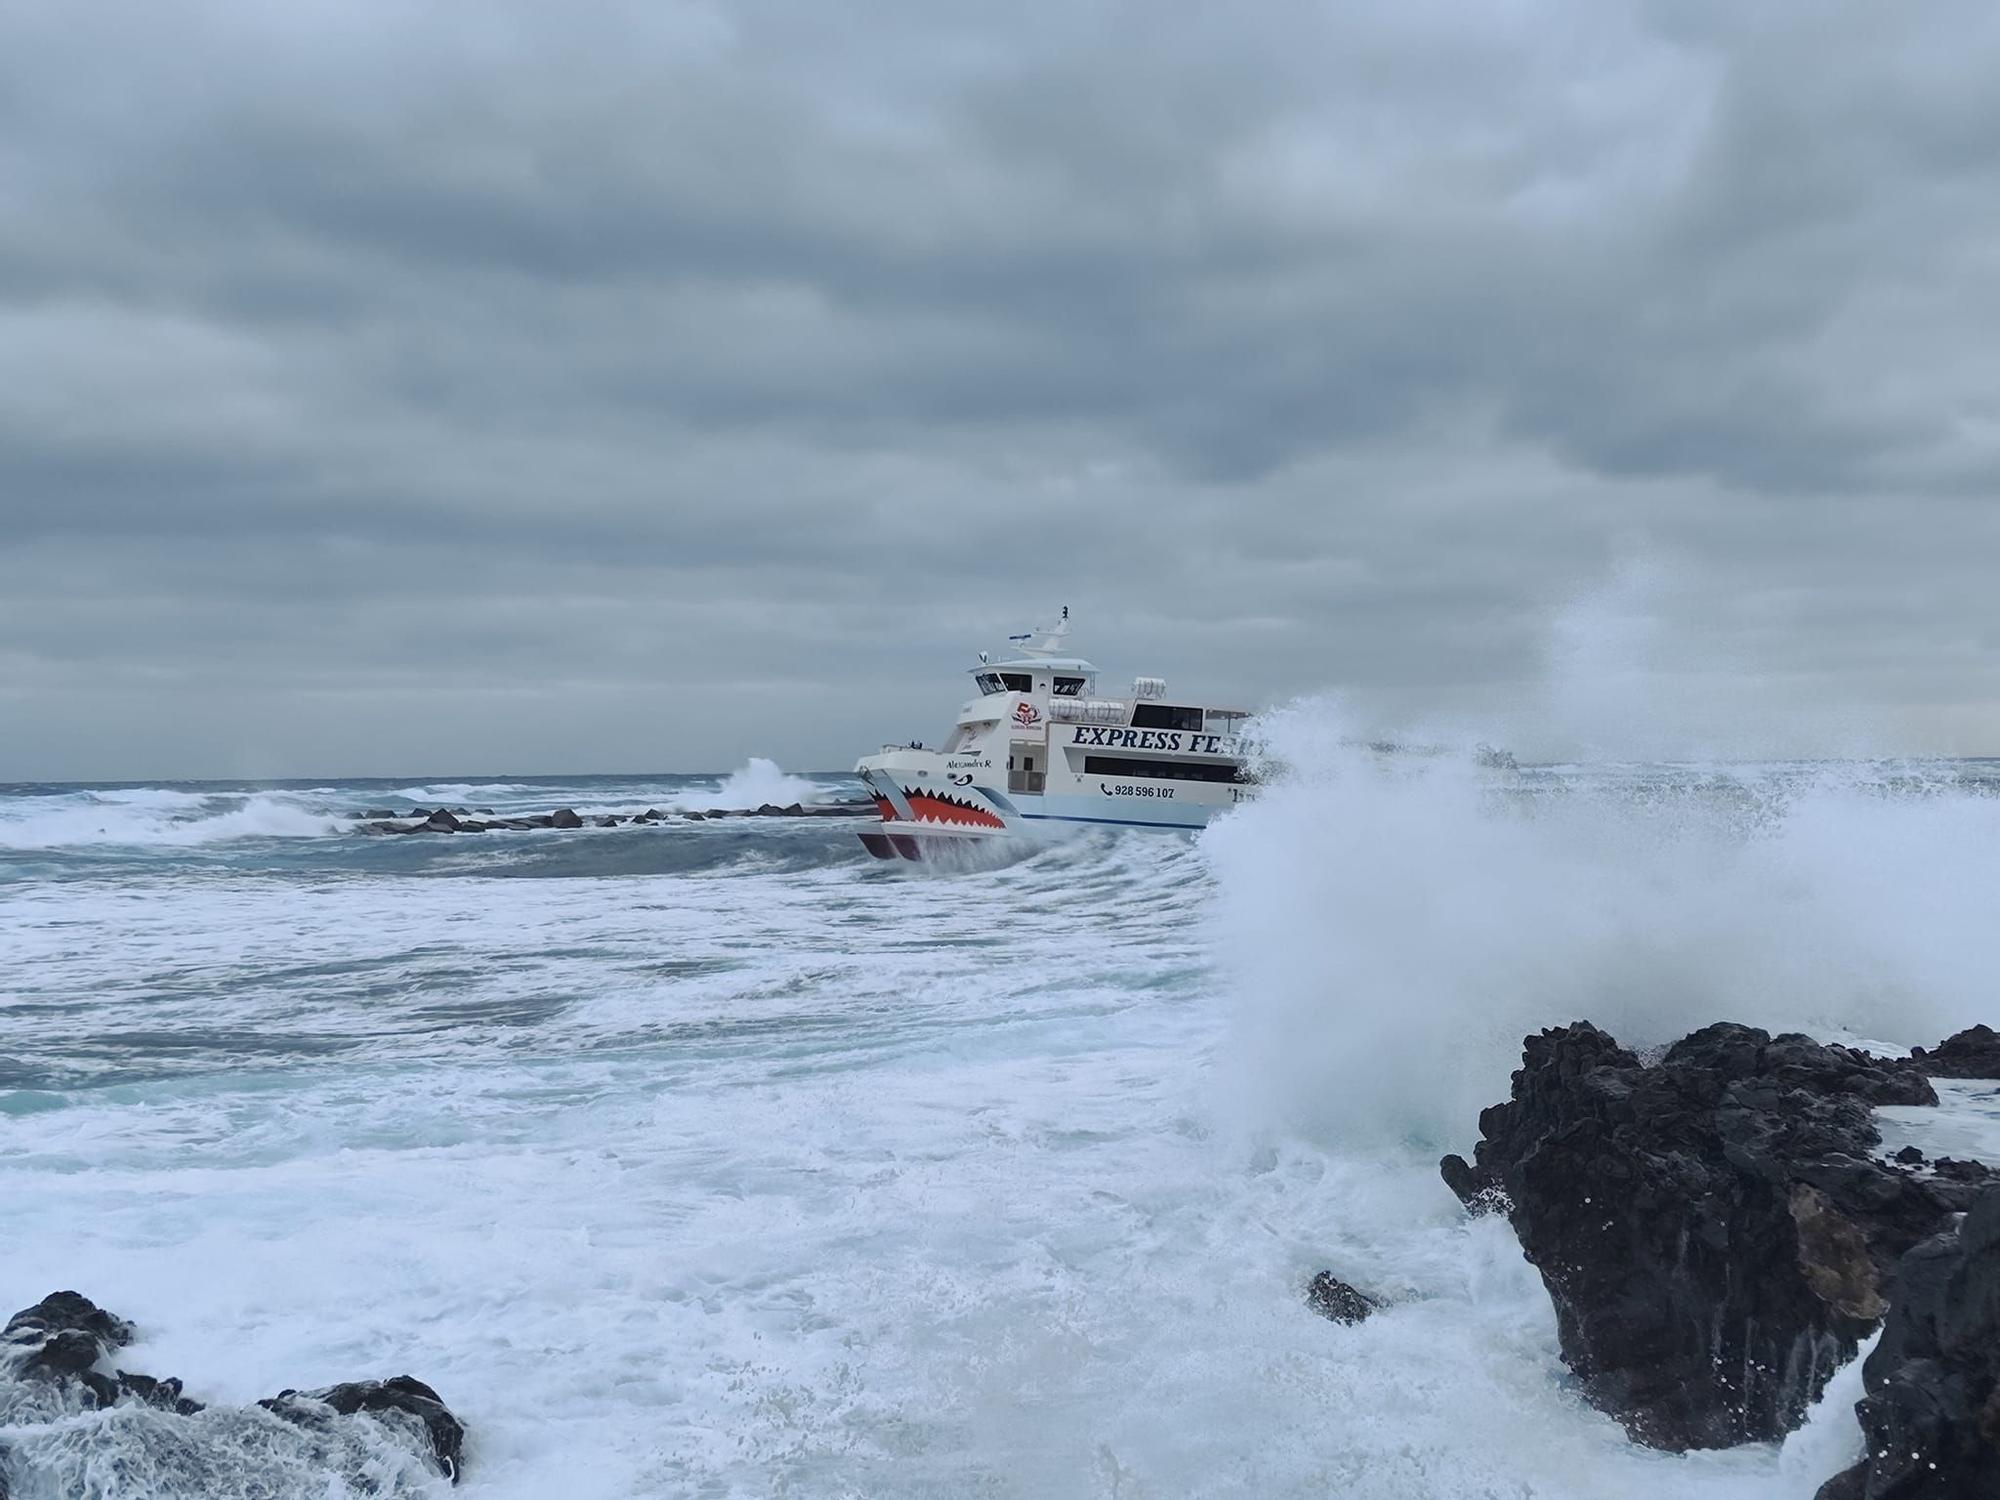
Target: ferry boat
[{"x": 1039, "y": 750}]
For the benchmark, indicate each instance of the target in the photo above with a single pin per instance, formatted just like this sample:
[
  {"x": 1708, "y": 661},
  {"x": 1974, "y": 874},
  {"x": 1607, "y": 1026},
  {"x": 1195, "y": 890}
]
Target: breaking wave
[
  {"x": 756, "y": 783},
  {"x": 141, "y": 816},
  {"x": 1395, "y": 924}
]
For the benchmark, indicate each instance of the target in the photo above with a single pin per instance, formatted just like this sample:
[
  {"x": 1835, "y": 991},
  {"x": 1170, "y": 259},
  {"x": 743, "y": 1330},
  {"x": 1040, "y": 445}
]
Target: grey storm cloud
[{"x": 399, "y": 388}]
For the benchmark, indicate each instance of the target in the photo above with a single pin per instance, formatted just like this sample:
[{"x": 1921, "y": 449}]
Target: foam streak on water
[{"x": 720, "y": 1159}]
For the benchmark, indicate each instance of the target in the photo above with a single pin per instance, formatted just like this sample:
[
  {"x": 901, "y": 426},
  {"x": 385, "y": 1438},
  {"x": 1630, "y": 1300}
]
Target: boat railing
[{"x": 1088, "y": 711}]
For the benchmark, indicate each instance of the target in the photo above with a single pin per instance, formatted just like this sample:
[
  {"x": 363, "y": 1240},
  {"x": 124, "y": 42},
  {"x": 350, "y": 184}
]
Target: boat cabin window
[
  {"x": 1069, "y": 687},
  {"x": 1165, "y": 716},
  {"x": 989, "y": 682},
  {"x": 1162, "y": 770},
  {"x": 1016, "y": 682}
]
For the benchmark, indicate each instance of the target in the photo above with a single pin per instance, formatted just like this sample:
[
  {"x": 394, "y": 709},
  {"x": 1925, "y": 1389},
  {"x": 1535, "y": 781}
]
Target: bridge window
[
  {"x": 1018, "y": 682},
  {"x": 1069, "y": 687},
  {"x": 1165, "y": 716}
]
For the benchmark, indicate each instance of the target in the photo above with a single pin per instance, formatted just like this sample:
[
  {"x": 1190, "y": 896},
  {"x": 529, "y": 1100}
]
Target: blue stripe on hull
[{"x": 1115, "y": 822}]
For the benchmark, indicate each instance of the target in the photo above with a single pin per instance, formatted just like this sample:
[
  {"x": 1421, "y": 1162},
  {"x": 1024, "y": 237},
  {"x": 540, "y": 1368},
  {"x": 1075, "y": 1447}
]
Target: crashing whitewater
[{"x": 742, "y": 1165}]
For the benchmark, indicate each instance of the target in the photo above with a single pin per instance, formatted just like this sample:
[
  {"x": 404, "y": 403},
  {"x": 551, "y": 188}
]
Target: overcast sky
[{"x": 428, "y": 387}]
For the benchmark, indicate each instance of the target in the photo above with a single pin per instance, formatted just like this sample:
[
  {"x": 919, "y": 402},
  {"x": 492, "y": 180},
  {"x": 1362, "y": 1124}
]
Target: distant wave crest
[{"x": 140, "y": 816}]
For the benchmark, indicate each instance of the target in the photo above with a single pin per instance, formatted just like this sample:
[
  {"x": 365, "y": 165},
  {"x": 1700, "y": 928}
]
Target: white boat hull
[{"x": 926, "y": 806}]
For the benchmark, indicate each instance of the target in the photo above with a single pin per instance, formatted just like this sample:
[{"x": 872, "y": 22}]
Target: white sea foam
[
  {"x": 858, "y": 1181},
  {"x": 1830, "y": 1438}
]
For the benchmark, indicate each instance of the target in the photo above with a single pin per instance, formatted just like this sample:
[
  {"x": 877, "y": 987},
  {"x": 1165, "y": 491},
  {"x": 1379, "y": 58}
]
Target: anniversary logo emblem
[{"x": 1026, "y": 713}]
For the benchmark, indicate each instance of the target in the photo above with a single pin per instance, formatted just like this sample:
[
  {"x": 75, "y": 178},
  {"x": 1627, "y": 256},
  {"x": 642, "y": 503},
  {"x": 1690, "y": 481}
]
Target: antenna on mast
[{"x": 1051, "y": 637}]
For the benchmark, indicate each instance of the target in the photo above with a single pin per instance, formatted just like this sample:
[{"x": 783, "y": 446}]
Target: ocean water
[{"x": 720, "y": 1159}]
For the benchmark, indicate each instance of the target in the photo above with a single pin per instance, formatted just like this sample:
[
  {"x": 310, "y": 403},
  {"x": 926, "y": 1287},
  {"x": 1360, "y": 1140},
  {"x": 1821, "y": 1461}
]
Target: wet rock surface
[
  {"x": 401, "y": 1394},
  {"x": 54, "y": 1360},
  {"x": 1931, "y": 1418},
  {"x": 64, "y": 1338},
  {"x": 1336, "y": 1301},
  {"x": 1714, "y": 1227},
  {"x": 1972, "y": 1053}
]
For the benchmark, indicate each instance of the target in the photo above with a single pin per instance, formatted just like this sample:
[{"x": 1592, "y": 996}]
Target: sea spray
[
  {"x": 1393, "y": 923},
  {"x": 756, "y": 783}
]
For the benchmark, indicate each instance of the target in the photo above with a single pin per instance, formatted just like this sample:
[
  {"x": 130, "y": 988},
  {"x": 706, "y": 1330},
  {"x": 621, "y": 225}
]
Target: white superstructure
[{"x": 1040, "y": 750}]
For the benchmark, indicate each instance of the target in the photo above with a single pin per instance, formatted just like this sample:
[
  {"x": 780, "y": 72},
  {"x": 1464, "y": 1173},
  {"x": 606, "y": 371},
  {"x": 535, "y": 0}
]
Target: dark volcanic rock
[
  {"x": 1333, "y": 1298},
  {"x": 402, "y": 1393},
  {"x": 60, "y": 1340},
  {"x": 1932, "y": 1412},
  {"x": 63, "y": 1339},
  {"x": 1972, "y": 1053},
  {"x": 61, "y": 1311},
  {"x": 1714, "y": 1229},
  {"x": 165, "y": 1394},
  {"x": 63, "y": 1355},
  {"x": 447, "y": 820}
]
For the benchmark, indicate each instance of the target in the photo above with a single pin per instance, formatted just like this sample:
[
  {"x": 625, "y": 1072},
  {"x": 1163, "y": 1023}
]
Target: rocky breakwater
[
  {"x": 1715, "y": 1225},
  {"x": 57, "y": 1366},
  {"x": 483, "y": 820}
]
